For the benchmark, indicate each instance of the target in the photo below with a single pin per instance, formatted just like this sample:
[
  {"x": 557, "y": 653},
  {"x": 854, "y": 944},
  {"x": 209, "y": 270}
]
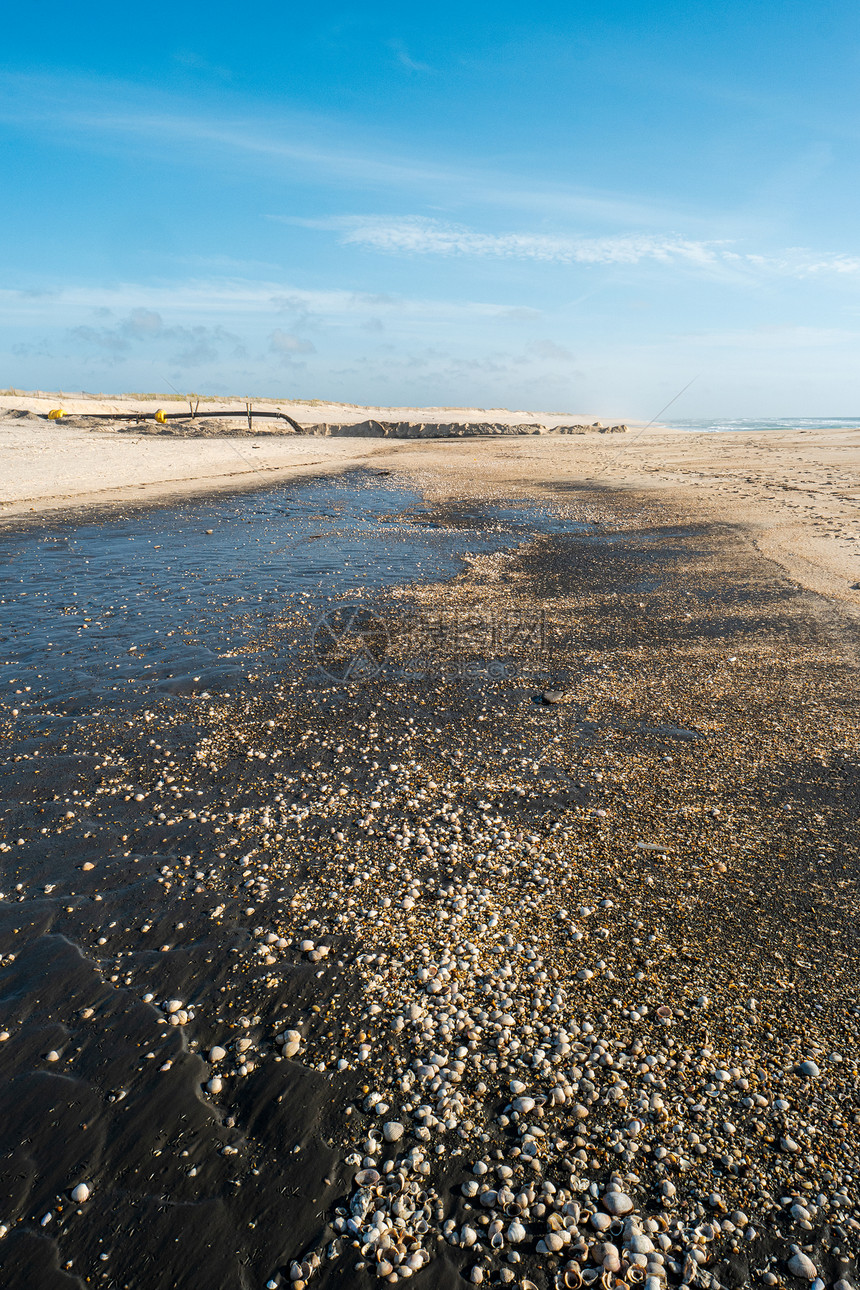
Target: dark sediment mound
[{"x": 447, "y": 430}]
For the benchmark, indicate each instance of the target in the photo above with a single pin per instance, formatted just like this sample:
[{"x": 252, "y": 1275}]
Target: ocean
[{"x": 713, "y": 424}]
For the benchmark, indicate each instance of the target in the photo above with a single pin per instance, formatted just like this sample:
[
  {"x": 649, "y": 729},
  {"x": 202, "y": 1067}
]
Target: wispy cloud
[
  {"x": 286, "y": 346},
  {"x": 416, "y": 235},
  {"x": 405, "y": 59},
  {"x": 188, "y": 346},
  {"x": 234, "y": 298},
  {"x": 299, "y": 145}
]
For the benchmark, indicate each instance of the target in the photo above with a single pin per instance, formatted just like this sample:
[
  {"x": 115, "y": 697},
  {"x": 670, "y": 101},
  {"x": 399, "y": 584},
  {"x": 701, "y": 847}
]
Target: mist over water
[{"x": 709, "y": 424}]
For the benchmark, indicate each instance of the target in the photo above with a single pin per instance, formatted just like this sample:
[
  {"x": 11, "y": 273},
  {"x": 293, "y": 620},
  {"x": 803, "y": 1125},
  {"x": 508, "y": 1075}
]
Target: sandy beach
[
  {"x": 429, "y": 861},
  {"x": 795, "y": 493}
]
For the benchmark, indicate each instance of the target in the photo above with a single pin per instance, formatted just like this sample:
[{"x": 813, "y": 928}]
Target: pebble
[
  {"x": 808, "y": 1069},
  {"x": 617, "y": 1203}
]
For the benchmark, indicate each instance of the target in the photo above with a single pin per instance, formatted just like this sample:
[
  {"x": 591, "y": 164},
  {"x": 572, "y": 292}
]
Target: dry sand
[{"x": 795, "y": 492}]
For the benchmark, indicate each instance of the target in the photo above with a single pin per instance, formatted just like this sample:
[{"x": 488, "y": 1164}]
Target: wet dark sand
[{"x": 699, "y": 771}]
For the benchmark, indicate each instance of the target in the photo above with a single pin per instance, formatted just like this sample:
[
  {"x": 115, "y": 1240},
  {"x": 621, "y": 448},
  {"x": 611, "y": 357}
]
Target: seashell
[
  {"x": 589, "y": 1276},
  {"x": 635, "y": 1275},
  {"x": 476, "y": 1275},
  {"x": 497, "y": 1240},
  {"x": 468, "y": 1235},
  {"x": 527, "y": 1285},
  {"x": 572, "y": 1277},
  {"x": 384, "y": 1268},
  {"x": 488, "y": 1198},
  {"x": 516, "y": 1232},
  {"x": 554, "y": 1242},
  {"x": 801, "y": 1265},
  {"x": 361, "y": 1203},
  {"x": 367, "y": 1177},
  {"x": 616, "y": 1227},
  {"x": 609, "y": 1256},
  {"x": 607, "y": 1279},
  {"x": 392, "y": 1131},
  {"x": 80, "y": 1193}
]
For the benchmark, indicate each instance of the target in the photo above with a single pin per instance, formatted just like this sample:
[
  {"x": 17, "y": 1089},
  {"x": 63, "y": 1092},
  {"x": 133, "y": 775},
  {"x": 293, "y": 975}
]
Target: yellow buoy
[
  {"x": 161, "y": 416},
  {"x": 55, "y": 414}
]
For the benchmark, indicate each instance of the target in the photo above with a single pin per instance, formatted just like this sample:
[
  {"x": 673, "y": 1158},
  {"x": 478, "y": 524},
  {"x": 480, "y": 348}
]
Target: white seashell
[
  {"x": 522, "y": 1105},
  {"x": 516, "y": 1232},
  {"x": 800, "y": 1265},
  {"x": 80, "y": 1193},
  {"x": 468, "y": 1235},
  {"x": 217, "y": 1053},
  {"x": 392, "y": 1131},
  {"x": 173, "y": 1005},
  {"x": 215, "y": 1084}
]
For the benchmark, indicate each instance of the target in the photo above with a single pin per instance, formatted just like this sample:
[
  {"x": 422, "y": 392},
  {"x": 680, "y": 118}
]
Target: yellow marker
[
  {"x": 161, "y": 416},
  {"x": 55, "y": 414}
]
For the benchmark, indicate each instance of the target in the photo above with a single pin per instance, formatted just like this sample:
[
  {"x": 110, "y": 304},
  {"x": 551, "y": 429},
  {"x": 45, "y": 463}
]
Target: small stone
[
  {"x": 553, "y": 696},
  {"x": 808, "y": 1069},
  {"x": 617, "y": 1203}
]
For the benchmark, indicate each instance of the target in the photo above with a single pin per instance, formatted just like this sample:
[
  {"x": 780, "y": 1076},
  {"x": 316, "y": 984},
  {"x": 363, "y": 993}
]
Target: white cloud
[
  {"x": 287, "y": 346},
  {"x": 416, "y": 235}
]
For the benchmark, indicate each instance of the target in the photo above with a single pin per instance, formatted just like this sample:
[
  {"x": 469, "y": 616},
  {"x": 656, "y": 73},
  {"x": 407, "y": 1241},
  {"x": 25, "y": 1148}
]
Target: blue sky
[{"x": 574, "y": 207}]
